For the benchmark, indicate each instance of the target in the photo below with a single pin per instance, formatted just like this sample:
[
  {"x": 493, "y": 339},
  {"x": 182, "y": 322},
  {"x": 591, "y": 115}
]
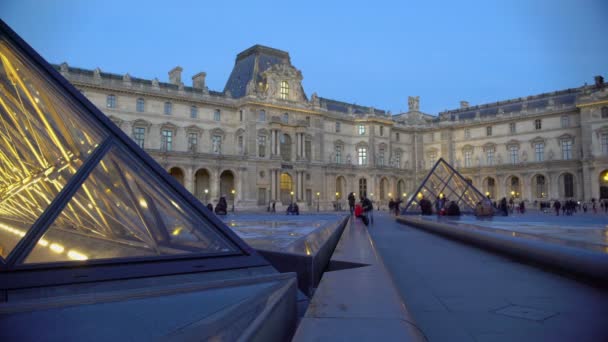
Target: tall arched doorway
[
  {"x": 362, "y": 187},
  {"x": 202, "y": 182},
  {"x": 178, "y": 174},
  {"x": 567, "y": 185},
  {"x": 227, "y": 184},
  {"x": 539, "y": 186},
  {"x": 603, "y": 181},
  {"x": 489, "y": 187},
  {"x": 384, "y": 189},
  {"x": 340, "y": 188},
  {"x": 514, "y": 187},
  {"x": 401, "y": 192},
  {"x": 286, "y": 188}
]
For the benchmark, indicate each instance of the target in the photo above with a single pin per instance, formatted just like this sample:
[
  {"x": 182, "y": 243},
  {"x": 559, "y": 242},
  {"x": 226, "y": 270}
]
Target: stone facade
[{"x": 263, "y": 139}]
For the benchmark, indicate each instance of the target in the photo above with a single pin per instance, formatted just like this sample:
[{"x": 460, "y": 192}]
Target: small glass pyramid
[
  {"x": 75, "y": 191},
  {"x": 440, "y": 187}
]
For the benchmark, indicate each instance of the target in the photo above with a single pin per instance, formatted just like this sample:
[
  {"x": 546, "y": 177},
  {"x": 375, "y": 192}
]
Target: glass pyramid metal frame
[
  {"x": 80, "y": 201},
  {"x": 444, "y": 183}
]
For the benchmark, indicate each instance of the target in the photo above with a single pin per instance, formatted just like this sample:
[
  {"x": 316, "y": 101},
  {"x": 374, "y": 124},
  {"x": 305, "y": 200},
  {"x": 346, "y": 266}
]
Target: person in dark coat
[
  {"x": 557, "y": 206},
  {"x": 210, "y": 207},
  {"x": 351, "y": 202},
  {"x": 426, "y": 207},
  {"x": 222, "y": 206}
]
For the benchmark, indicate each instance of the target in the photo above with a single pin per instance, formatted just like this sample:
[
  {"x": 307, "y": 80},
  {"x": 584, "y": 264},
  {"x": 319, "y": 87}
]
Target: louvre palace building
[{"x": 264, "y": 139}]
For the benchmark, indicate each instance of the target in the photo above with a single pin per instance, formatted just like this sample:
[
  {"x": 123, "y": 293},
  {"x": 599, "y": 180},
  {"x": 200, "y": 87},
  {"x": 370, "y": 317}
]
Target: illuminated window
[
  {"x": 193, "y": 112},
  {"x": 361, "y": 129},
  {"x": 166, "y": 143},
  {"x": 537, "y": 124},
  {"x": 261, "y": 146},
  {"x": 217, "y": 115},
  {"x": 489, "y": 131},
  {"x": 337, "y": 127},
  {"x": 512, "y": 128},
  {"x": 111, "y": 101},
  {"x": 168, "y": 108},
  {"x": 362, "y": 155},
  {"x": 192, "y": 141},
  {"x": 139, "y": 134},
  {"x": 216, "y": 144},
  {"x": 539, "y": 151},
  {"x": 284, "y": 90},
  {"x": 262, "y": 115},
  {"x": 567, "y": 149},
  {"x": 140, "y": 105},
  {"x": 468, "y": 156},
  {"x": 514, "y": 154}
]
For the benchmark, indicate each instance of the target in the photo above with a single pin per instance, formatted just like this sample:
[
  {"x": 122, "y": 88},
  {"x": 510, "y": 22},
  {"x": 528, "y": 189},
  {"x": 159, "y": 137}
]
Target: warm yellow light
[
  {"x": 177, "y": 230},
  {"x": 512, "y": 193},
  {"x": 233, "y": 191},
  {"x": 291, "y": 193},
  {"x": 390, "y": 194},
  {"x": 372, "y": 194},
  {"x": 43, "y": 242},
  {"x": 420, "y": 195},
  {"x": 143, "y": 203},
  {"x": 487, "y": 193},
  {"x": 206, "y": 191},
  {"x": 75, "y": 255},
  {"x": 404, "y": 194},
  {"x": 57, "y": 248},
  {"x": 337, "y": 194},
  {"x": 606, "y": 177},
  {"x": 318, "y": 194}
]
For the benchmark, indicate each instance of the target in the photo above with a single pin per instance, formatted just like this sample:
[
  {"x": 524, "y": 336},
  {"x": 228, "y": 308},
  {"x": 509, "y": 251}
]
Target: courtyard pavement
[{"x": 457, "y": 292}]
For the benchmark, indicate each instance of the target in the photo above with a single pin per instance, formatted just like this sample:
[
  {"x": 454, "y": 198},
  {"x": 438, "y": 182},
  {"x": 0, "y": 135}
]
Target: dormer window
[{"x": 284, "y": 90}]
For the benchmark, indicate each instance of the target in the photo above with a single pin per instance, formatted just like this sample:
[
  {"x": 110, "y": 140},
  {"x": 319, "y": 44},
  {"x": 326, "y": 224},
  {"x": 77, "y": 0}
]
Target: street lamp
[
  {"x": 207, "y": 195},
  {"x": 291, "y": 193},
  {"x": 318, "y": 200},
  {"x": 233, "y": 192}
]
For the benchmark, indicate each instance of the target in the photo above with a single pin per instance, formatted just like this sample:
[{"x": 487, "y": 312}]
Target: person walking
[
  {"x": 351, "y": 202},
  {"x": 367, "y": 210},
  {"x": 557, "y": 206}
]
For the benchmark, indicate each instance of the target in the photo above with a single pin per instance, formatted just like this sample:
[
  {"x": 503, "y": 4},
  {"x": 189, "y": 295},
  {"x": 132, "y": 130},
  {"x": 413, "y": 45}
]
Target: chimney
[
  {"x": 599, "y": 81},
  {"x": 198, "y": 80},
  {"x": 464, "y": 104},
  {"x": 175, "y": 75}
]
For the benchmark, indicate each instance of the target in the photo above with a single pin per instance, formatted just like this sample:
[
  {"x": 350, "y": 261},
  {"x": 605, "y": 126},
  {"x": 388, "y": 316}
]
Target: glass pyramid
[
  {"x": 444, "y": 184},
  {"x": 75, "y": 190}
]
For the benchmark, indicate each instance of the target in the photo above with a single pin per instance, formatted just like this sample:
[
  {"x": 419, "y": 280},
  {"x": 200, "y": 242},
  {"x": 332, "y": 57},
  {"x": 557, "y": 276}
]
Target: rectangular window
[
  {"x": 397, "y": 136},
  {"x": 192, "y": 141},
  {"x": 362, "y": 155},
  {"x": 240, "y": 144},
  {"x": 381, "y": 131},
  {"x": 262, "y": 115},
  {"x": 381, "y": 157},
  {"x": 338, "y": 150},
  {"x": 193, "y": 112},
  {"x": 432, "y": 158},
  {"x": 308, "y": 149},
  {"x": 216, "y": 144},
  {"x": 139, "y": 134},
  {"x": 361, "y": 130},
  {"x": 111, "y": 101},
  {"x": 284, "y": 90},
  {"x": 537, "y": 124},
  {"x": 168, "y": 108},
  {"x": 308, "y": 121},
  {"x": 514, "y": 154},
  {"x": 490, "y": 157},
  {"x": 166, "y": 140},
  {"x": 140, "y": 105},
  {"x": 566, "y": 149},
  {"x": 337, "y": 127},
  {"x": 398, "y": 160},
  {"x": 217, "y": 115},
  {"x": 604, "y": 143},
  {"x": 539, "y": 151},
  {"x": 241, "y": 115},
  {"x": 512, "y": 128},
  {"x": 261, "y": 146},
  {"x": 467, "y": 133},
  {"x": 489, "y": 131},
  {"x": 432, "y": 137},
  {"x": 565, "y": 121},
  {"x": 468, "y": 156},
  {"x": 286, "y": 117}
]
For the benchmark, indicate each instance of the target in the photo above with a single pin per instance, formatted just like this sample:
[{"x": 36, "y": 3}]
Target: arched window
[
  {"x": 540, "y": 186},
  {"x": 568, "y": 185},
  {"x": 286, "y": 147}
]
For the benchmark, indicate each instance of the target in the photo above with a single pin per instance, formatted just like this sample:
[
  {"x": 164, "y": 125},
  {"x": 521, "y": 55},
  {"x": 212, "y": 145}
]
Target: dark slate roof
[
  {"x": 342, "y": 107},
  {"x": 250, "y": 64}
]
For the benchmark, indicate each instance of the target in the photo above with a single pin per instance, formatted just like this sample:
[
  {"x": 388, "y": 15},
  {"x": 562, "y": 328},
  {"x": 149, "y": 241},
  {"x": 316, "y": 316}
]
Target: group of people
[
  {"x": 568, "y": 208},
  {"x": 363, "y": 209},
  {"x": 221, "y": 208},
  {"x": 293, "y": 209}
]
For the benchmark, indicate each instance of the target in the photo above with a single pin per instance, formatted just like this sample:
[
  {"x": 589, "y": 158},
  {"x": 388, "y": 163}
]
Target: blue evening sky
[{"x": 372, "y": 53}]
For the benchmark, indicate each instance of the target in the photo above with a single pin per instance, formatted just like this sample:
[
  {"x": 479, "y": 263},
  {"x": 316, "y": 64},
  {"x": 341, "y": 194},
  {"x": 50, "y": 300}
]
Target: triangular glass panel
[
  {"x": 442, "y": 185},
  {"x": 44, "y": 140},
  {"x": 123, "y": 211}
]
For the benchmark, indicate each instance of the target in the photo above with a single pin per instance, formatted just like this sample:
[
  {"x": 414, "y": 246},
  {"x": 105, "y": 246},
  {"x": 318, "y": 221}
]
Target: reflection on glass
[
  {"x": 44, "y": 139},
  {"x": 122, "y": 210},
  {"x": 450, "y": 184}
]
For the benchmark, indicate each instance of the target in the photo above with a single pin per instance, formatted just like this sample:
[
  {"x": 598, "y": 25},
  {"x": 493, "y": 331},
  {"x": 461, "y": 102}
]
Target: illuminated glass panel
[
  {"x": 284, "y": 90},
  {"x": 44, "y": 139},
  {"x": 122, "y": 210}
]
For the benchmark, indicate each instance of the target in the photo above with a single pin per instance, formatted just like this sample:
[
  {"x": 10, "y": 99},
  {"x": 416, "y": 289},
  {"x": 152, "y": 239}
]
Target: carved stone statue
[{"x": 413, "y": 103}]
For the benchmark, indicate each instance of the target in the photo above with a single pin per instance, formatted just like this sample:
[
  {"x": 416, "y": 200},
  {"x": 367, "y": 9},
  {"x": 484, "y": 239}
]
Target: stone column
[
  {"x": 189, "y": 179},
  {"x": 298, "y": 155},
  {"x": 215, "y": 184},
  {"x": 273, "y": 181}
]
